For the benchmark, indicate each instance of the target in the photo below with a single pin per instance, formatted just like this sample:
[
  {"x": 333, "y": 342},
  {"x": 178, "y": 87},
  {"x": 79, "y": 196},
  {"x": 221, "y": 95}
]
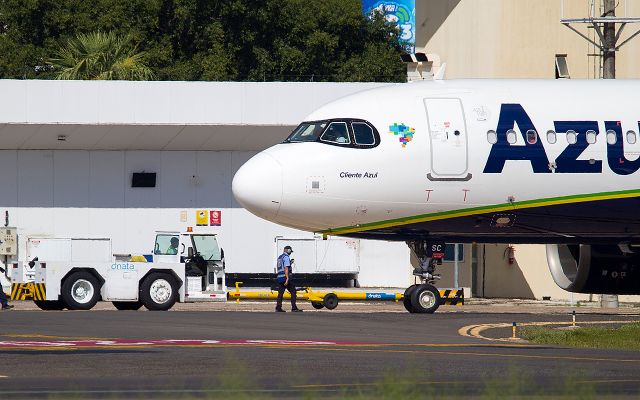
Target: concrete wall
[
  {"x": 528, "y": 277},
  {"x": 516, "y": 39},
  {"x": 77, "y": 193}
]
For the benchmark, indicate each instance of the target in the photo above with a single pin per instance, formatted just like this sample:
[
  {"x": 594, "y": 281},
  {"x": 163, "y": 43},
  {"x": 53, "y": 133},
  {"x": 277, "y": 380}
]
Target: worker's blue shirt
[{"x": 283, "y": 262}]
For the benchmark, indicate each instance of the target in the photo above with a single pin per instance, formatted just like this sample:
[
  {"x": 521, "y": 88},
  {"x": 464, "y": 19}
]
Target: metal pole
[
  {"x": 455, "y": 266},
  {"x": 609, "y": 72},
  {"x": 609, "y": 45}
]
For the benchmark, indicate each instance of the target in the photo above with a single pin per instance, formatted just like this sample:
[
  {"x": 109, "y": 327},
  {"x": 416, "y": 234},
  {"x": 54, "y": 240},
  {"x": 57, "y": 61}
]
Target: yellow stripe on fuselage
[{"x": 483, "y": 210}]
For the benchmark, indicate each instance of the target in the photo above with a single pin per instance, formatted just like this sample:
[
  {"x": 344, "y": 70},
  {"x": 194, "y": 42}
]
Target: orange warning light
[{"x": 189, "y": 228}]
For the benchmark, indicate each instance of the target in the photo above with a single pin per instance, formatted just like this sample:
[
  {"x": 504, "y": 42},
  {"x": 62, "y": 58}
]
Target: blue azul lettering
[
  {"x": 502, "y": 150},
  {"x": 567, "y": 161},
  {"x": 618, "y": 162}
]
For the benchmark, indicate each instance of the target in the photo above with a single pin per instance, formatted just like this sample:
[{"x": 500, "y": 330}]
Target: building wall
[
  {"x": 76, "y": 193},
  {"x": 528, "y": 277},
  {"x": 516, "y": 39}
]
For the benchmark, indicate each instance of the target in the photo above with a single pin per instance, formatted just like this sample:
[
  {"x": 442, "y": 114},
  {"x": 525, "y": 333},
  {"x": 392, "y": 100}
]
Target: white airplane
[{"x": 493, "y": 161}]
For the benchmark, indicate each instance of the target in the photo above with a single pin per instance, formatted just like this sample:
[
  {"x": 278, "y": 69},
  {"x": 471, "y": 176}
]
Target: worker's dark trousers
[
  {"x": 292, "y": 289},
  {"x": 3, "y": 298}
]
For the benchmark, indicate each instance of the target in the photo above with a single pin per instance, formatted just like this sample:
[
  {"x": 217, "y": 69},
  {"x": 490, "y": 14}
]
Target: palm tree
[{"x": 100, "y": 56}]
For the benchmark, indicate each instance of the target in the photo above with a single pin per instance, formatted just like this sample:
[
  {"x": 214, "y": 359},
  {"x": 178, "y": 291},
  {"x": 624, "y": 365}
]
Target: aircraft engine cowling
[{"x": 599, "y": 269}]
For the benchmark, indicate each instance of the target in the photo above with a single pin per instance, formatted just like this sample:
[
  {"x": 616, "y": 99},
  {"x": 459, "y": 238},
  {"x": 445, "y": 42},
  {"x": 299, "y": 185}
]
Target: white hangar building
[{"x": 69, "y": 149}]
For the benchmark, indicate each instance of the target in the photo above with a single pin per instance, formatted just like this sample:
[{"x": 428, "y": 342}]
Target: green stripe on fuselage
[{"x": 516, "y": 205}]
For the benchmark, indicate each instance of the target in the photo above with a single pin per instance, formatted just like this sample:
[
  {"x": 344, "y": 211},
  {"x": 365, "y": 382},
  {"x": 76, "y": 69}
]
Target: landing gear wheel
[
  {"x": 406, "y": 300},
  {"x": 425, "y": 299},
  {"x": 330, "y": 301},
  {"x": 80, "y": 291},
  {"x": 317, "y": 305},
  {"x": 159, "y": 292},
  {"x": 50, "y": 305},
  {"x": 127, "y": 305}
]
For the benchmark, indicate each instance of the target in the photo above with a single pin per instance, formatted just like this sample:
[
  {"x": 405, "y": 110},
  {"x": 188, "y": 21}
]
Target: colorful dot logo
[{"x": 406, "y": 133}]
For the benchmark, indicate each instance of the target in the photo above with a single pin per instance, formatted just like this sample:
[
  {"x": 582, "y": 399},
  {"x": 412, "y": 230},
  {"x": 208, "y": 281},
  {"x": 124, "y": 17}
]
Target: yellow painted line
[
  {"x": 460, "y": 353},
  {"x": 475, "y": 331},
  {"x": 466, "y": 381},
  {"x": 332, "y": 385}
]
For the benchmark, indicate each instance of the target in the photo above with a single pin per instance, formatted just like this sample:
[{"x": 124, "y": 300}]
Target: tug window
[
  {"x": 572, "y": 137},
  {"x": 307, "y": 132},
  {"x": 532, "y": 137},
  {"x": 492, "y": 137},
  {"x": 363, "y": 134},
  {"x": 511, "y": 136},
  {"x": 631, "y": 137},
  {"x": 337, "y": 132},
  {"x": 552, "y": 137}
]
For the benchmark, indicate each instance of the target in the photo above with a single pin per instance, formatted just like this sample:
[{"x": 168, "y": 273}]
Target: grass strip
[{"x": 626, "y": 337}]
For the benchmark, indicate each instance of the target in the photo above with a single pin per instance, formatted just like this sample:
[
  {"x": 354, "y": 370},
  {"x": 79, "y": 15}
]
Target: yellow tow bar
[{"x": 321, "y": 299}]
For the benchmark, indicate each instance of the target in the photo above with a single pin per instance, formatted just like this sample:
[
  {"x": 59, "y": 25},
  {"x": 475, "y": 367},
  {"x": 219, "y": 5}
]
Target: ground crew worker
[
  {"x": 3, "y": 300},
  {"x": 173, "y": 248},
  {"x": 284, "y": 280}
]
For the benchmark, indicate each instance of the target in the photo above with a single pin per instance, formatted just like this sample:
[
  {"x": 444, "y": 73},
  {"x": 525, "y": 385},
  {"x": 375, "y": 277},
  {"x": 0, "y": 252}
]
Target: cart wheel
[
  {"x": 50, "y": 305},
  {"x": 127, "y": 305},
  {"x": 425, "y": 299},
  {"x": 330, "y": 301},
  {"x": 406, "y": 300},
  {"x": 317, "y": 305}
]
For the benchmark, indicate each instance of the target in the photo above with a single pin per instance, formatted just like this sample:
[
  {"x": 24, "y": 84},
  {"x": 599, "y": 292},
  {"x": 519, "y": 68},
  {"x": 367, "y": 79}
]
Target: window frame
[
  {"x": 531, "y": 133},
  {"x": 514, "y": 134},
  {"x": 352, "y": 138},
  {"x": 494, "y": 135},
  {"x": 350, "y": 135},
  {"x": 575, "y": 135},
  {"x": 353, "y": 131},
  {"x": 632, "y": 133},
  {"x": 591, "y": 133},
  {"x": 611, "y": 133},
  {"x": 554, "y": 134}
]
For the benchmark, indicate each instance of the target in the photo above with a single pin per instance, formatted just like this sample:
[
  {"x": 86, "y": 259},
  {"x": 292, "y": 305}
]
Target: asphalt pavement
[{"x": 219, "y": 354}]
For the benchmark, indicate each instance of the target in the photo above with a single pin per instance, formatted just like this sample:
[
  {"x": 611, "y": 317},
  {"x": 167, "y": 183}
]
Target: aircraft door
[{"x": 448, "y": 138}]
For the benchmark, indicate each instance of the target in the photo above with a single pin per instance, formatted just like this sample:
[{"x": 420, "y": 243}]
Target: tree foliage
[
  {"x": 293, "y": 40},
  {"x": 100, "y": 55}
]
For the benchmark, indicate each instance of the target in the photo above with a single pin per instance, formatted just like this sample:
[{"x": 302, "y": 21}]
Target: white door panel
[{"x": 448, "y": 137}]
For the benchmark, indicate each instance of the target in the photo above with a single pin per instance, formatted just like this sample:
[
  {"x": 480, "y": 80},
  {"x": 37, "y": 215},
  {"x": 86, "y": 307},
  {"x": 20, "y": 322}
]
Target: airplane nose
[{"x": 257, "y": 186}]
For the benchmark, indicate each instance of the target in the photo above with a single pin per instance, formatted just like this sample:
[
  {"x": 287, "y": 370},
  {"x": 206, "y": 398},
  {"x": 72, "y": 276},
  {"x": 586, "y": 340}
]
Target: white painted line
[{"x": 3, "y": 376}]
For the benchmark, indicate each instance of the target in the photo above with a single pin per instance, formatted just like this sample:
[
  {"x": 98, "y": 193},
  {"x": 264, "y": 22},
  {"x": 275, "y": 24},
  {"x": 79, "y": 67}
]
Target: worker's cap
[{"x": 288, "y": 248}]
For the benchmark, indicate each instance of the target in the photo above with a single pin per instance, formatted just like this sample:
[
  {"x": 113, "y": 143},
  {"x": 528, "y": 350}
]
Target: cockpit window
[
  {"x": 348, "y": 132},
  {"x": 337, "y": 132},
  {"x": 307, "y": 132},
  {"x": 363, "y": 134}
]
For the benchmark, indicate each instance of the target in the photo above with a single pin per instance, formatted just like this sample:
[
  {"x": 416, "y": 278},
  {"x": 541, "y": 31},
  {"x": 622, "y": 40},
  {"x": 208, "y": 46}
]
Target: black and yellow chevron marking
[
  {"x": 28, "y": 291},
  {"x": 454, "y": 297}
]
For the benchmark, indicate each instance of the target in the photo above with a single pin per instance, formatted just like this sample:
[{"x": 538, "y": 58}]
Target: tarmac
[{"x": 219, "y": 350}]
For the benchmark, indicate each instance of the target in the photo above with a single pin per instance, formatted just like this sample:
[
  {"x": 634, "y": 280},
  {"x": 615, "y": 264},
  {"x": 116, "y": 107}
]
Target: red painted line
[{"x": 12, "y": 344}]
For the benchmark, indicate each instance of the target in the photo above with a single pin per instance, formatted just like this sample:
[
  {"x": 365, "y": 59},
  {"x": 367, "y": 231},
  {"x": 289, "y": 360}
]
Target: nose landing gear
[{"x": 424, "y": 298}]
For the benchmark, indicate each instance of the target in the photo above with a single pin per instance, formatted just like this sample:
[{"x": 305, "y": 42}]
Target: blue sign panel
[{"x": 401, "y": 12}]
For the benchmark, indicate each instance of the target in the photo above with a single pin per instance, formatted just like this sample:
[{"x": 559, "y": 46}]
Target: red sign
[{"x": 215, "y": 218}]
